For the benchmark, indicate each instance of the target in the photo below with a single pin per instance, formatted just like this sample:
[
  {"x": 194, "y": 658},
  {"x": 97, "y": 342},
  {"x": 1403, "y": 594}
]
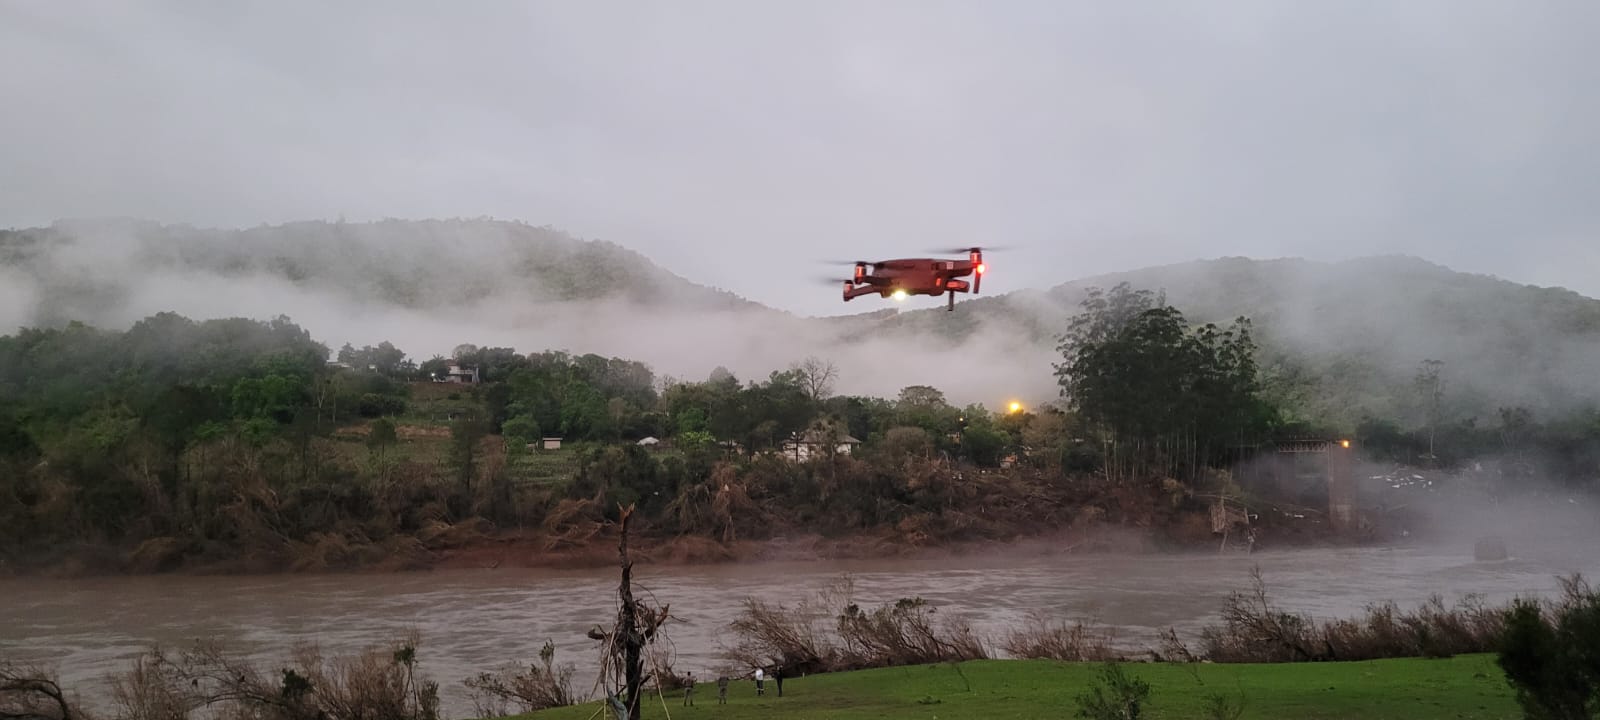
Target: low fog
[
  {"x": 1349, "y": 335},
  {"x": 428, "y": 287},
  {"x": 1353, "y": 334}
]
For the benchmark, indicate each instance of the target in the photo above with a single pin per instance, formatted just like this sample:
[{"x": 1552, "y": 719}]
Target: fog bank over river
[{"x": 476, "y": 620}]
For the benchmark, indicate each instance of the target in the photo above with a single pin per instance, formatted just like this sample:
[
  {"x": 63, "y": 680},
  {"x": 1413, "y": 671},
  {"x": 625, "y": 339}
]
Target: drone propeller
[
  {"x": 845, "y": 262},
  {"x": 830, "y": 280},
  {"x": 973, "y": 249}
]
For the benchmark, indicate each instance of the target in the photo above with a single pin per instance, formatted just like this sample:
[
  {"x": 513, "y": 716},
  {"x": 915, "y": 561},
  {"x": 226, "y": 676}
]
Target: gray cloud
[{"x": 720, "y": 138}]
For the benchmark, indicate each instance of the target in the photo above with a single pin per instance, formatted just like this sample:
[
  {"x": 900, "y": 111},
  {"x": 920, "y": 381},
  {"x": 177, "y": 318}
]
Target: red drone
[{"x": 918, "y": 276}]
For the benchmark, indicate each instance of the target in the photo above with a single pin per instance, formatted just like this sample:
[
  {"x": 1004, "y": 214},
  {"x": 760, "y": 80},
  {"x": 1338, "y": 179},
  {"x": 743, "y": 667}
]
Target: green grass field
[
  {"x": 430, "y": 403},
  {"x": 1469, "y": 686}
]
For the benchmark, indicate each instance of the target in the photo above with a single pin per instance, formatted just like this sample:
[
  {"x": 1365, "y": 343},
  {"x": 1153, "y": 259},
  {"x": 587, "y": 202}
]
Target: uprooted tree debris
[{"x": 625, "y": 646}]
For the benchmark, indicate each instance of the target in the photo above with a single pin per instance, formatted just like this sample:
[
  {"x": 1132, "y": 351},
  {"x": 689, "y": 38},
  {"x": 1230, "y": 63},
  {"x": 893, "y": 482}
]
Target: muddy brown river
[{"x": 475, "y": 620}]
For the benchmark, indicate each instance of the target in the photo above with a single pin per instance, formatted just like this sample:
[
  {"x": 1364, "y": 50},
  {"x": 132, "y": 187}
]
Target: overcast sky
[{"x": 737, "y": 142}]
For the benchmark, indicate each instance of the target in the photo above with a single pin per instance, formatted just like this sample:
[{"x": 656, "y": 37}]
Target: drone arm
[{"x": 851, "y": 292}]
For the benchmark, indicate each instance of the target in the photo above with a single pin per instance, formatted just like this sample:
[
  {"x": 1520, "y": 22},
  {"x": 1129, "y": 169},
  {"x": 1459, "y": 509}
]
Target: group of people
[{"x": 760, "y": 677}]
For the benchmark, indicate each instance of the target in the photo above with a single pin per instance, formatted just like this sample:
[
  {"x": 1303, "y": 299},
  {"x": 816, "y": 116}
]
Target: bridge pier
[
  {"x": 1337, "y": 471},
  {"x": 1341, "y": 487}
]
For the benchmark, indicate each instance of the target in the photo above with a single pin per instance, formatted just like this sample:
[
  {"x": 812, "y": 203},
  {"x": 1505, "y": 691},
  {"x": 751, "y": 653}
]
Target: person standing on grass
[
  {"x": 688, "y": 690},
  {"x": 777, "y": 676},
  {"x": 722, "y": 690},
  {"x": 761, "y": 682}
]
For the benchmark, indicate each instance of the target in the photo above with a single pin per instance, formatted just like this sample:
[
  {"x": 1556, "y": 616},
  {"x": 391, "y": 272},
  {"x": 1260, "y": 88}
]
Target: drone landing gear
[{"x": 950, "y": 305}]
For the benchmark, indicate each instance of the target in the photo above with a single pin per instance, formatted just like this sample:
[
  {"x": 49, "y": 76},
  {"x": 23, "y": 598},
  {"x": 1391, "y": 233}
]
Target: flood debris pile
[{"x": 629, "y": 657}]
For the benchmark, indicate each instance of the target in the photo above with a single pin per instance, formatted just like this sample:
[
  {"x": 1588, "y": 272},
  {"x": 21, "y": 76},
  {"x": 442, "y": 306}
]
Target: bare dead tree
[
  {"x": 623, "y": 648},
  {"x": 816, "y": 377},
  {"x": 28, "y": 693}
]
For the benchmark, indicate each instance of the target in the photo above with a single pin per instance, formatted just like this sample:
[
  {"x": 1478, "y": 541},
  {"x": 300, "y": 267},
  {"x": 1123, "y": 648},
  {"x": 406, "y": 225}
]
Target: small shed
[{"x": 552, "y": 443}]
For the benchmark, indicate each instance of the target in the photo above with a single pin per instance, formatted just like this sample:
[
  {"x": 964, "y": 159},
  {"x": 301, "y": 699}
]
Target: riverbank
[
  {"x": 477, "y": 544},
  {"x": 1468, "y": 686},
  {"x": 476, "y": 620}
]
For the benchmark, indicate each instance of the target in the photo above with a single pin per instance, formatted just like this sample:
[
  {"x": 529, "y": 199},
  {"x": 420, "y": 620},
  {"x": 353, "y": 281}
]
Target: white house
[
  {"x": 552, "y": 443},
  {"x": 462, "y": 373},
  {"x": 805, "y": 445}
]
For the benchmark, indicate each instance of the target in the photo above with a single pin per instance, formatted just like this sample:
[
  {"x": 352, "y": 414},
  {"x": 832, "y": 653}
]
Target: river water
[{"x": 476, "y": 620}]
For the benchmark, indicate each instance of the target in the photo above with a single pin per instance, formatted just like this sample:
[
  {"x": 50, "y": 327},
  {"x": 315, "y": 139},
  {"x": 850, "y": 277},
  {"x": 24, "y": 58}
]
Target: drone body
[{"x": 904, "y": 277}]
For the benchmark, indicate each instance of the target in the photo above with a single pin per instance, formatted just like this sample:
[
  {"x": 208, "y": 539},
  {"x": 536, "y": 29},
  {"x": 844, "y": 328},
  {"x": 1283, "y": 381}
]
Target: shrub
[
  {"x": 904, "y": 632},
  {"x": 1551, "y": 656},
  {"x": 1115, "y": 697},
  {"x": 377, "y": 682},
  {"x": 375, "y": 405},
  {"x": 30, "y": 692},
  {"x": 542, "y": 686},
  {"x": 1254, "y": 630},
  {"x": 1043, "y": 639}
]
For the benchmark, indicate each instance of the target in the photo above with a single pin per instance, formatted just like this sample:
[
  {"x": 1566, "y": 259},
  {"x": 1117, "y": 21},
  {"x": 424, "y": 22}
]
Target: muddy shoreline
[{"x": 466, "y": 547}]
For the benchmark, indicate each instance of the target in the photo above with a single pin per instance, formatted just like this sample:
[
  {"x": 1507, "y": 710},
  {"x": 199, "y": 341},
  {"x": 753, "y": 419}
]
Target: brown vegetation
[
  {"x": 31, "y": 693},
  {"x": 1042, "y": 638},
  {"x": 378, "y": 682},
  {"x": 540, "y": 686},
  {"x": 1253, "y": 630},
  {"x": 800, "y": 640}
]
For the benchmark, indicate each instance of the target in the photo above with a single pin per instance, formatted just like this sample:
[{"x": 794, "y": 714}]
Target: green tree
[
  {"x": 381, "y": 437},
  {"x": 465, "y": 433},
  {"x": 907, "y": 441},
  {"x": 1429, "y": 385},
  {"x": 434, "y": 368},
  {"x": 1163, "y": 395},
  {"x": 520, "y": 432},
  {"x": 984, "y": 445},
  {"x": 1554, "y": 662}
]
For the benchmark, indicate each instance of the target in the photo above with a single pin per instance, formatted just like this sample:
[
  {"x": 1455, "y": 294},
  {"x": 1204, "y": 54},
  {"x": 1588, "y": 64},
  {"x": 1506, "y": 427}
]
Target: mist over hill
[
  {"x": 1339, "y": 339},
  {"x": 429, "y": 285},
  {"x": 1346, "y": 339}
]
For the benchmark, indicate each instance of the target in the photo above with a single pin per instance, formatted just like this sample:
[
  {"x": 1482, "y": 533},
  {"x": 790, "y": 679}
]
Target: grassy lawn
[
  {"x": 545, "y": 467},
  {"x": 430, "y": 403},
  {"x": 1410, "y": 689}
]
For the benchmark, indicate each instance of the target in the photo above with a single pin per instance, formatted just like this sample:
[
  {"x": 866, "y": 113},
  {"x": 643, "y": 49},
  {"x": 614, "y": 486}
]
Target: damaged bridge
[{"x": 1325, "y": 462}]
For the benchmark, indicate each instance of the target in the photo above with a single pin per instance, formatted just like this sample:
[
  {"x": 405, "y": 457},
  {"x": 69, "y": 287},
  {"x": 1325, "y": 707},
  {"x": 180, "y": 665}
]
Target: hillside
[
  {"x": 1351, "y": 335},
  {"x": 84, "y": 269},
  {"x": 427, "y": 286},
  {"x": 1340, "y": 339}
]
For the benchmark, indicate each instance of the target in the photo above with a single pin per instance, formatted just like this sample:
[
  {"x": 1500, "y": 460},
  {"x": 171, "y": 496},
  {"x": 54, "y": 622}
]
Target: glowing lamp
[
  {"x": 899, "y": 294},
  {"x": 1016, "y": 406},
  {"x": 981, "y": 268},
  {"x": 1344, "y": 443}
]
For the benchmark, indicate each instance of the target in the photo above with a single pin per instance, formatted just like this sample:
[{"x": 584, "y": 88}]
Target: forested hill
[
  {"x": 1340, "y": 340},
  {"x": 426, "y": 286},
  {"x": 83, "y": 269}
]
